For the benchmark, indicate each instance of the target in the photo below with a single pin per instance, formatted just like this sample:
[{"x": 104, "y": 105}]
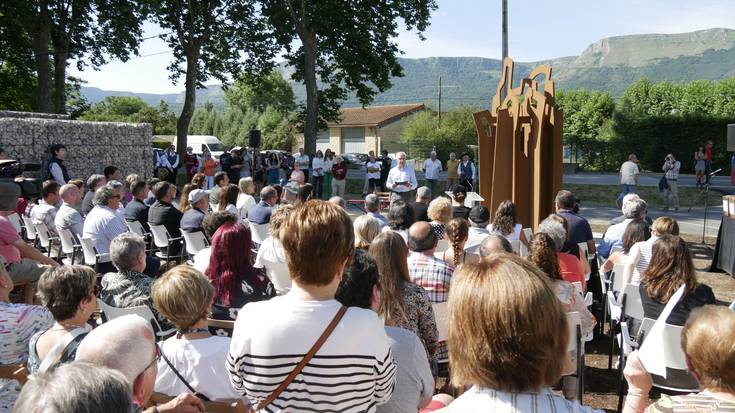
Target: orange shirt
[
  {"x": 209, "y": 165},
  {"x": 570, "y": 268}
]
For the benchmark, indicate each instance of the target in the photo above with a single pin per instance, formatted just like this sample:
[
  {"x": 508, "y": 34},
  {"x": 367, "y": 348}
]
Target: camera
[{"x": 11, "y": 169}]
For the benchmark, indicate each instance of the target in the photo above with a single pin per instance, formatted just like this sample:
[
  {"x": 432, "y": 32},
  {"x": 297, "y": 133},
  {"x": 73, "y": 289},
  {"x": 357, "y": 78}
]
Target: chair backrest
[
  {"x": 617, "y": 276},
  {"x": 136, "y": 227},
  {"x": 222, "y": 328},
  {"x": 674, "y": 357},
  {"x": 44, "y": 238},
  {"x": 583, "y": 250},
  {"x": 90, "y": 253},
  {"x": 222, "y": 406},
  {"x": 633, "y": 302},
  {"x": 195, "y": 241},
  {"x": 14, "y": 219},
  {"x": 259, "y": 232},
  {"x": 160, "y": 236},
  {"x": 574, "y": 322},
  {"x": 441, "y": 245},
  {"x": 67, "y": 240},
  {"x": 30, "y": 230},
  {"x": 441, "y": 315},
  {"x": 527, "y": 234},
  {"x": 278, "y": 274},
  {"x": 14, "y": 372},
  {"x": 111, "y": 313}
]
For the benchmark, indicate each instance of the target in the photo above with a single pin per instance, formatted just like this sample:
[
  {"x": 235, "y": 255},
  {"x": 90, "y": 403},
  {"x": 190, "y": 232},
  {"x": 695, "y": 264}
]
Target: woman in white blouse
[
  {"x": 317, "y": 172},
  {"x": 228, "y": 199},
  {"x": 245, "y": 198},
  {"x": 185, "y": 296}
]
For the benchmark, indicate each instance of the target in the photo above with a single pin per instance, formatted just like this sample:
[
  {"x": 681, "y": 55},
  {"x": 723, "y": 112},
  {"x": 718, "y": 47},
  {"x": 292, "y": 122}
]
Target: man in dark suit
[
  {"x": 421, "y": 205},
  {"x": 162, "y": 212},
  {"x": 261, "y": 212},
  {"x": 136, "y": 209},
  {"x": 193, "y": 217}
]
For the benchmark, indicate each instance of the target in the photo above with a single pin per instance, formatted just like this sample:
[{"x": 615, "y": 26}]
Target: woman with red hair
[{"x": 231, "y": 271}]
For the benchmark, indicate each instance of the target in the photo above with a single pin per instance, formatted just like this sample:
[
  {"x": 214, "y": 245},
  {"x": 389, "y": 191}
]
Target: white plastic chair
[
  {"x": 137, "y": 228},
  {"x": 45, "y": 239},
  {"x": 259, "y": 232},
  {"x": 442, "y": 245},
  {"x": 30, "y": 230},
  {"x": 574, "y": 323},
  {"x": 69, "y": 245},
  {"x": 110, "y": 313},
  {"x": 162, "y": 239},
  {"x": 195, "y": 241},
  {"x": 14, "y": 219},
  {"x": 441, "y": 315},
  {"x": 278, "y": 274},
  {"x": 91, "y": 257}
]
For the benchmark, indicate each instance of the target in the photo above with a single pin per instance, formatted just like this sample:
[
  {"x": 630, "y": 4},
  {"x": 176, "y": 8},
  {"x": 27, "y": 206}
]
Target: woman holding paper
[{"x": 671, "y": 266}]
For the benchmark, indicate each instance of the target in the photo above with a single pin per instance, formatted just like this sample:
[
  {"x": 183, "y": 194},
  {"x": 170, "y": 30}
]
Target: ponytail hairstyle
[
  {"x": 542, "y": 252},
  {"x": 456, "y": 232}
]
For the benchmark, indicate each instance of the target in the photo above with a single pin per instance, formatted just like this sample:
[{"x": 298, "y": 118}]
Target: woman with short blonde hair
[
  {"x": 245, "y": 198},
  {"x": 185, "y": 297},
  {"x": 507, "y": 338},
  {"x": 440, "y": 212},
  {"x": 366, "y": 229}
]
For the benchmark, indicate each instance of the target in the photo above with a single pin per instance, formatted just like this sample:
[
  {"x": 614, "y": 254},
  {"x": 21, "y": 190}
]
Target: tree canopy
[{"x": 133, "y": 109}]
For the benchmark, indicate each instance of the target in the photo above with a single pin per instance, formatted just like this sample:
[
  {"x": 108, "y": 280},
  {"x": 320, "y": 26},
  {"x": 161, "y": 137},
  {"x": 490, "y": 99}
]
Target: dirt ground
[{"x": 601, "y": 384}]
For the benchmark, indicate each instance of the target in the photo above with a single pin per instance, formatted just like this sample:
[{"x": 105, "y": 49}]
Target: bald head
[
  {"x": 70, "y": 194},
  {"x": 421, "y": 238},
  {"x": 494, "y": 244},
  {"x": 297, "y": 176}
]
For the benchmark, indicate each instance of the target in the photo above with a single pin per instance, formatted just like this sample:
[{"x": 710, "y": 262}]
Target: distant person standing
[
  {"x": 452, "y": 174},
  {"x": 225, "y": 162},
  {"x": 301, "y": 162},
  {"x": 373, "y": 170},
  {"x": 317, "y": 170},
  {"x": 235, "y": 165},
  {"x": 671, "y": 194},
  {"x": 327, "y": 164},
  {"x": 629, "y": 176},
  {"x": 56, "y": 168},
  {"x": 708, "y": 160},
  {"x": 432, "y": 168},
  {"x": 339, "y": 173},
  {"x": 401, "y": 180},
  {"x": 208, "y": 168},
  {"x": 170, "y": 161},
  {"x": 191, "y": 163},
  {"x": 466, "y": 171},
  {"x": 700, "y": 165},
  {"x": 385, "y": 164}
]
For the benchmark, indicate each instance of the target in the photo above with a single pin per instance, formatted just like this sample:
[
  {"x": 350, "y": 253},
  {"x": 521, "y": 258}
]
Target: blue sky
[{"x": 538, "y": 30}]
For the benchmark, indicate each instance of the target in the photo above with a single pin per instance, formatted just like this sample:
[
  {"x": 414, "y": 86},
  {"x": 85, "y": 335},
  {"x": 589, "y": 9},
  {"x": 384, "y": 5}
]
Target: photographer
[{"x": 671, "y": 194}]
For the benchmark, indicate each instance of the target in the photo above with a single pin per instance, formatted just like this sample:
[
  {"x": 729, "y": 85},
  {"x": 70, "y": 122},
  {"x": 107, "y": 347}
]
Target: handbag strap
[
  {"x": 183, "y": 380},
  {"x": 57, "y": 351},
  {"x": 323, "y": 338}
]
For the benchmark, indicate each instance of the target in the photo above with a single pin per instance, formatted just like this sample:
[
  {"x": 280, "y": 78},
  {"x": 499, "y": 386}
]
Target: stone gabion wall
[
  {"x": 91, "y": 146},
  {"x": 14, "y": 114}
]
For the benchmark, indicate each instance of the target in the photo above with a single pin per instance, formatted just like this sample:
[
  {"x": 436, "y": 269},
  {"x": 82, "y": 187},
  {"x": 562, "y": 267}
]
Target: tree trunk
[
  {"x": 60, "y": 62},
  {"x": 311, "y": 121},
  {"x": 182, "y": 124},
  {"x": 40, "y": 35}
]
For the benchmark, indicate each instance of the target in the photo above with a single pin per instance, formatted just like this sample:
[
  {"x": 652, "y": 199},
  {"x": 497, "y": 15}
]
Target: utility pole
[
  {"x": 440, "y": 102},
  {"x": 505, "y": 29}
]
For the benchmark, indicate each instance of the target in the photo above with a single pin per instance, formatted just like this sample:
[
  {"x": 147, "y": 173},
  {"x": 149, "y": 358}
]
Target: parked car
[{"x": 355, "y": 160}]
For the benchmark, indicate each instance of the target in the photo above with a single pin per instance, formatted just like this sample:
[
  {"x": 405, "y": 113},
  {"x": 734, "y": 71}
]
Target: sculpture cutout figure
[{"x": 520, "y": 145}]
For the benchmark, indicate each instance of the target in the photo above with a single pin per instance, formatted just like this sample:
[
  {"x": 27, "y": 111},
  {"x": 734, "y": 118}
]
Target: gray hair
[
  {"x": 115, "y": 184},
  {"x": 635, "y": 208},
  {"x": 67, "y": 190},
  {"x": 93, "y": 180},
  {"x": 338, "y": 200},
  {"x": 76, "y": 387},
  {"x": 125, "y": 344},
  {"x": 555, "y": 230},
  {"x": 103, "y": 195},
  {"x": 423, "y": 193},
  {"x": 268, "y": 192},
  {"x": 125, "y": 249},
  {"x": 493, "y": 244},
  {"x": 372, "y": 203}
]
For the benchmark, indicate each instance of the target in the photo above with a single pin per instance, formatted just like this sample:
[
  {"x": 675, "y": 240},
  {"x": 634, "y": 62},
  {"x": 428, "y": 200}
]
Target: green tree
[
  {"x": 347, "y": 45},
  {"x": 422, "y": 133},
  {"x": 276, "y": 129},
  {"x": 133, "y": 109},
  {"x": 585, "y": 112},
  {"x": 211, "y": 39},
  {"x": 250, "y": 92}
]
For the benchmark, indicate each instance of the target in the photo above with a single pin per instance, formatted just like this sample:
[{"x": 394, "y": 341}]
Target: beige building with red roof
[{"x": 360, "y": 130}]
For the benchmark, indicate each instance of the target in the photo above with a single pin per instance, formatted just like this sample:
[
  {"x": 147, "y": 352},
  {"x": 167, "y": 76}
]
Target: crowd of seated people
[{"x": 376, "y": 289}]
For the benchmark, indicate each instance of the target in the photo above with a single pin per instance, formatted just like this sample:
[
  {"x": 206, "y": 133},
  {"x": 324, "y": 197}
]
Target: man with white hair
[
  {"x": 620, "y": 218},
  {"x": 633, "y": 209},
  {"x": 432, "y": 168},
  {"x": 104, "y": 223},
  {"x": 127, "y": 344},
  {"x": 68, "y": 216},
  {"x": 401, "y": 180},
  {"x": 372, "y": 208},
  {"x": 339, "y": 201},
  {"x": 421, "y": 205}
]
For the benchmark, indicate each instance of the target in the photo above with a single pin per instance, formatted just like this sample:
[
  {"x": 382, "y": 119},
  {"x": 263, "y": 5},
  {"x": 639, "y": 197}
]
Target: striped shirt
[
  {"x": 432, "y": 274},
  {"x": 692, "y": 403},
  {"x": 646, "y": 250},
  {"x": 483, "y": 400},
  {"x": 352, "y": 372}
]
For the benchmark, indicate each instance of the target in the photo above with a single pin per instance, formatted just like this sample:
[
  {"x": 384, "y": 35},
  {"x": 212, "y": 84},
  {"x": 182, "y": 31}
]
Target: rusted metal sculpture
[{"x": 520, "y": 145}]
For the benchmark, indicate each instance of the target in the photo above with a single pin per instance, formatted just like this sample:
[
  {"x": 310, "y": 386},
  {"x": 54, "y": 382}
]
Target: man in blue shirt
[
  {"x": 633, "y": 209},
  {"x": 261, "y": 212},
  {"x": 579, "y": 228}
]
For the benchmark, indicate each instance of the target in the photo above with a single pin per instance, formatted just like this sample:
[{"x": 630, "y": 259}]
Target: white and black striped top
[{"x": 352, "y": 372}]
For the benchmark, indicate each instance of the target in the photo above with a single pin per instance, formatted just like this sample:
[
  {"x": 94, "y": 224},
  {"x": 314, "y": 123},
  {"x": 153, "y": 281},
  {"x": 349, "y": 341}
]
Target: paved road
[{"x": 690, "y": 223}]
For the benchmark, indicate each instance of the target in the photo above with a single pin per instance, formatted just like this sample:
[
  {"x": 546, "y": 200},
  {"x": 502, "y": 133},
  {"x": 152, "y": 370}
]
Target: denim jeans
[{"x": 626, "y": 189}]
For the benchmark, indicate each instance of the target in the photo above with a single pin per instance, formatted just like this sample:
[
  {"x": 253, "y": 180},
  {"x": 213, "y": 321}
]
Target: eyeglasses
[{"x": 155, "y": 359}]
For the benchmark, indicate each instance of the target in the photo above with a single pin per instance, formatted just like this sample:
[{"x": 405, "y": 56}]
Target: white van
[{"x": 199, "y": 143}]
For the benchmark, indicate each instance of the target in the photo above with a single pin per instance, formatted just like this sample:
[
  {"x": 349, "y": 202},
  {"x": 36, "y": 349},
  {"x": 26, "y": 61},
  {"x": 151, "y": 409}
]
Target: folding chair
[
  {"x": 30, "y": 231},
  {"x": 194, "y": 241},
  {"x": 69, "y": 245},
  {"x": 46, "y": 240},
  {"x": 221, "y": 406},
  {"x": 441, "y": 315},
  {"x": 162, "y": 239},
  {"x": 614, "y": 306},
  {"x": 14, "y": 219},
  {"x": 222, "y": 328},
  {"x": 259, "y": 232},
  {"x": 91, "y": 257},
  {"x": 574, "y": 322},
  {"x": 278, "y": 274},
  {"x": 110, "y": 313},
  {"x": 137, "y": 228}
]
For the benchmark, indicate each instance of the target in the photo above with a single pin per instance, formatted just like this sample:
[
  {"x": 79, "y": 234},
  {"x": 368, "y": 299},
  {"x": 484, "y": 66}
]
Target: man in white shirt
[
  {"x": 301, "y": 162},
  {"x": 479, "y": 219},
  {"x": 671, "y": 194},
  {"x": 401, "y": 180},
  {"x": 103, "y": 224},
  {"x": 68, "y": 217},
  {"x": 372, "y": 168},
  {"x": 629, "y": 175},
  {"x": 432, "y": 168},
  {"x": 45, "y": 211}
]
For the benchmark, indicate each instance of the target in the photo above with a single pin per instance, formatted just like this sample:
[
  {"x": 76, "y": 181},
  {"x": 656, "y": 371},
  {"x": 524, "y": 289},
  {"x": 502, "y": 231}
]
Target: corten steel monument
[{"x": 520, "y": 145}]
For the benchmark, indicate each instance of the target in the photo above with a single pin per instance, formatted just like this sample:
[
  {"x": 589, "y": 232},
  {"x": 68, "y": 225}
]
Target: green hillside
[{"x": 610, "y": 64}]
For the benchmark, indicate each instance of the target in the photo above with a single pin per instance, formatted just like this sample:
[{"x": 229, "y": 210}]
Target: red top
[
  {"x": 570, "y": 268},
  {"x": 708, "y": 152},
  {"x": 339, "y": 171}
]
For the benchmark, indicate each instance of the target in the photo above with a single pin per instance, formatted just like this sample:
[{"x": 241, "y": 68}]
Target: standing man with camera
[{"x": 671, "y": 194}]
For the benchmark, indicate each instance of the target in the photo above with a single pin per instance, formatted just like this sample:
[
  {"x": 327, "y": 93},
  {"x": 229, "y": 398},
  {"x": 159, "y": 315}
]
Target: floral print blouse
[{"x": 419, "y": 317}]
